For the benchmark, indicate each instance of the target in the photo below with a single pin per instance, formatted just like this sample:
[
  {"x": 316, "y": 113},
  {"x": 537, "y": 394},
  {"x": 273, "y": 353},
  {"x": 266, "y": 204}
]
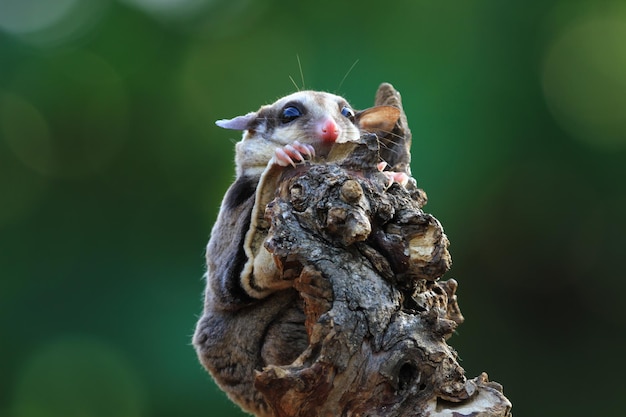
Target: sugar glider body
[{"x": 251, "y": 317}]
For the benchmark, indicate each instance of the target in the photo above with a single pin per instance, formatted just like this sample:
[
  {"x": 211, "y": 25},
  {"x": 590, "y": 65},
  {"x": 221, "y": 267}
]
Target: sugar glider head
[{"x": 317, "y": 118}]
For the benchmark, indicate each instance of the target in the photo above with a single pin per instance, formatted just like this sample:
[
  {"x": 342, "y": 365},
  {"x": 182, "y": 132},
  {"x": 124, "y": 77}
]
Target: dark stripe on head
[{"x": 268, "y": 120}]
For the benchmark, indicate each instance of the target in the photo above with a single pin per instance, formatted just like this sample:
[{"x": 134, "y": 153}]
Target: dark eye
[
  {"x": 289, "y": 114},
  {"x": 348, "y": 112}
]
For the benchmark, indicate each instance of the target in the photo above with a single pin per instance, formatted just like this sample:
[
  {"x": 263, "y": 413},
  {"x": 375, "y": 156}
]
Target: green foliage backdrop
[{"x": 112, "y": 171}]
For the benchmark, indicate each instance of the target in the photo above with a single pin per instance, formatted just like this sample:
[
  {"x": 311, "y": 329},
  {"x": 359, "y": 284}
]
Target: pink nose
[{"x": 329, "y": 130}]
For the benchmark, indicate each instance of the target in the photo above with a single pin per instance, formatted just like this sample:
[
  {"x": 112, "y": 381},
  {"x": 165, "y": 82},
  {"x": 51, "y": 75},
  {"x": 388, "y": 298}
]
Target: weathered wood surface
[{"x": 367, "y": 261}]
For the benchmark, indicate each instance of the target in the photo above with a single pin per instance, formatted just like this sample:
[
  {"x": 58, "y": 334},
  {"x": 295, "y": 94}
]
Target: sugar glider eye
[
  {"x": 289, "y": 114},
  {"x": 347, "y": 112}
]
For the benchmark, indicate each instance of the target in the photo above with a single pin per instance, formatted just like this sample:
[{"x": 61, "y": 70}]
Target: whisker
[
  {"x": 392, "y": 150},
  {"x": 301, "y": 72},
  {"x": 391, "y": 139},
  {"x": 294, "y": 83},
  {"x": 393, "y": 136},
  {"x": 347, "y": 73}
]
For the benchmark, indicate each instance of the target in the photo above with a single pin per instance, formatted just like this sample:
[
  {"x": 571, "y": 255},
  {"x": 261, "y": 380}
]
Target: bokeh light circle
[
  {"x": 25, "y": 16},
  {"x": 52, "y": 22},
  {"x": 584, "y": 80},
  {"x": 78, "y": 127}
]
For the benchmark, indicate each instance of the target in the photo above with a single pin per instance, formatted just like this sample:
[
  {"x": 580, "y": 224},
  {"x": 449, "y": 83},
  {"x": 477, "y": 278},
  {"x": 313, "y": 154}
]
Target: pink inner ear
[
  {"x": 379, "y": 118},
  {"x": 238, "y": 123}
]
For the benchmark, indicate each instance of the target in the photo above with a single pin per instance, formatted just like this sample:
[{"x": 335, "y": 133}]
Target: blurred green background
[{"x": 112, "y": 171}]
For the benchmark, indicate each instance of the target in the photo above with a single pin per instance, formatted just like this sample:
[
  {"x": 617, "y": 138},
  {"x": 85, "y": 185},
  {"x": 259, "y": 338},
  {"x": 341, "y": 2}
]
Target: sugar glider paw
[
  {"x": 393, "y": 176},
  {"x": 293, "y": 153}
]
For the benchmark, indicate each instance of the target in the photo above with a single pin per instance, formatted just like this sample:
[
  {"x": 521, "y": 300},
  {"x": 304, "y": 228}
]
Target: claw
[
  {"x": 393, "y": 176},
  {"x": 401, "y": 178},
  {"x": 282, "y": 158},
  {"x": 293, "y": 153},
  {"x": 304, "y": 148},
  {"x": 390, "y": 180}
]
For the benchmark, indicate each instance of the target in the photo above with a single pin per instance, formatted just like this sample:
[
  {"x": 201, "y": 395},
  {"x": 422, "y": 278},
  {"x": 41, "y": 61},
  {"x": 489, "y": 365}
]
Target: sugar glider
[{"x": 253, "y": 318}]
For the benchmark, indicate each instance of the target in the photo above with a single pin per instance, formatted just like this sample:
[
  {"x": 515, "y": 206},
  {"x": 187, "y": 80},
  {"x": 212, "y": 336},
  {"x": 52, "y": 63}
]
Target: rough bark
[{"x": 367, "y": 261}]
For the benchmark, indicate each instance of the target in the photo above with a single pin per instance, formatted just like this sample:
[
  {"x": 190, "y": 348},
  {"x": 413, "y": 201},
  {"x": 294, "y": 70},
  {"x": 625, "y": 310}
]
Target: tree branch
[{"x": 367, "y": 261}]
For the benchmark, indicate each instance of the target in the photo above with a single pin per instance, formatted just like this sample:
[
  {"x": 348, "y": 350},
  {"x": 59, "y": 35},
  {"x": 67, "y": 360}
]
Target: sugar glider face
[
  {"x": 309, "y": 117},
  {"x": 306, "y": 116}
]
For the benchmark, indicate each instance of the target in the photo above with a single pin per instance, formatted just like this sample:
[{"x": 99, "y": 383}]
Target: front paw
[
  {"x": 393, "y": 176},
  {"x": 293, "y": 153}
]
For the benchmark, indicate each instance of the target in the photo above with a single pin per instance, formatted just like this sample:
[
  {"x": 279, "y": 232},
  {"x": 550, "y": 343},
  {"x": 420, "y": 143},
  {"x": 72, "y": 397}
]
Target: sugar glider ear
[
  {"x": 238, "y": 123},
  {"x": 378, "y": 118}
]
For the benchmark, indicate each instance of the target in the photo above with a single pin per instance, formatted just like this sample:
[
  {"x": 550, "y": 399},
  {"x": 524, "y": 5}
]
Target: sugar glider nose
[{"x": 329, "y": 131}]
